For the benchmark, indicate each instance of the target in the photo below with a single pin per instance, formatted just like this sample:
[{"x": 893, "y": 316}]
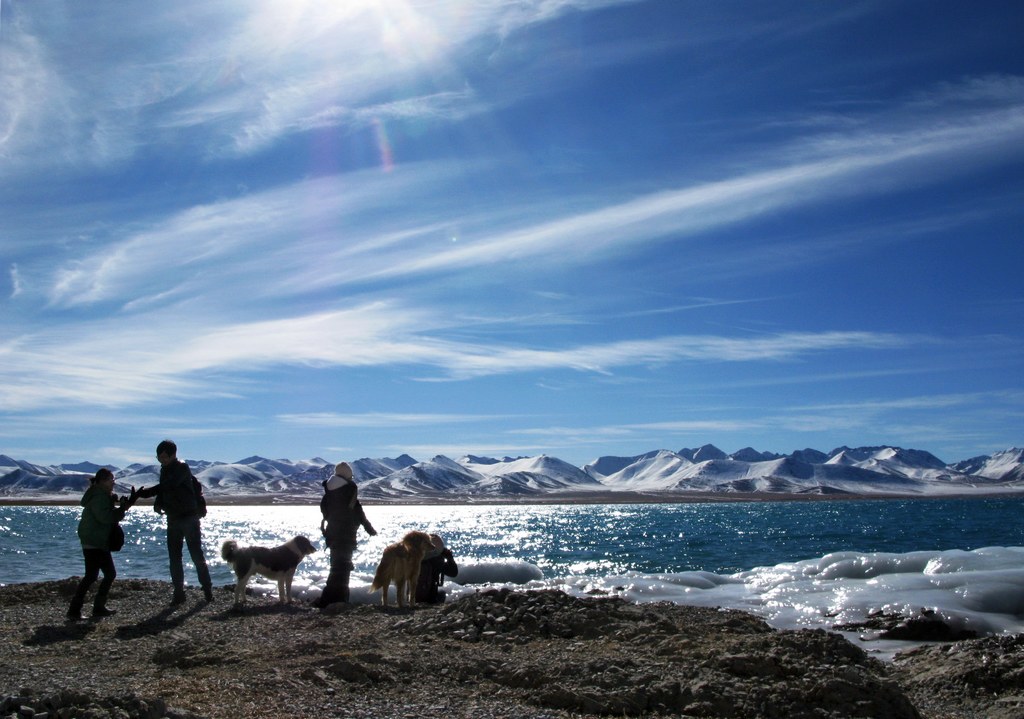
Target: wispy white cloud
[
  {"x": 15, "y": 281},
  {"x": 452, "y": 450},
  {"x": 587, "y": 436},
  {"x": 696, "y": 303},
  {"x": 925, "y": 402},
  {"x": 981, "y": 91},
  {"x": 26, "y": 83},
  {"x": 381, "y": 419},
  {"x": 449, "y": 105},
  {"x": 159, "y": 273},
  {"x": 135, "y": 363},
  {"x": 246, "y": 239},
  {"x": 252, "y": 72},
  {"x": 249, "y": 240},
  {"x": 917, "y": 421},
  {"x": 469, "y": 362},
  {"x": 864, "y": 164},
  {"x": 710, "y": 427}
]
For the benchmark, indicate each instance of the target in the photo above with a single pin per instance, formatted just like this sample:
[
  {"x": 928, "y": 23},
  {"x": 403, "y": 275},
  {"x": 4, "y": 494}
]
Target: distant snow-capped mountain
[
  {"x": 7, "y": 464},
  {"x": 1005, "y": 466},
  {"x": 438, "y": 476},
  {"x": 476, "y": 478},
  {"x": 373, "y": 468},
  {"x": 664, "y": 473}
]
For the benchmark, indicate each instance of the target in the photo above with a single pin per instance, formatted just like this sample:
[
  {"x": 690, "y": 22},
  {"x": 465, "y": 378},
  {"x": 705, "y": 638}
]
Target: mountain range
[{"x": 660, "y": 474}]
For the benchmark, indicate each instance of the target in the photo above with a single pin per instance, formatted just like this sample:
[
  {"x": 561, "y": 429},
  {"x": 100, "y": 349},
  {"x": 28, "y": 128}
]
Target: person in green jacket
[{"x": 100, "y": 513}]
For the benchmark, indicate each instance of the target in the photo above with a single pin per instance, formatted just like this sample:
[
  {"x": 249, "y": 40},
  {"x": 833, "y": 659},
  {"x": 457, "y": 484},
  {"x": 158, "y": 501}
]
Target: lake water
[{"x": 798, "y": 564}]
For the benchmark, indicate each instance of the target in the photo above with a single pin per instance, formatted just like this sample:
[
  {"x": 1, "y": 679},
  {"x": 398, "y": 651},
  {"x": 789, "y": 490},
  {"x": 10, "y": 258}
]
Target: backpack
[
  {"x": 116, "y": 537},
  {"x": 197, "y": 489},
  {"x": 197, "y": 492}
]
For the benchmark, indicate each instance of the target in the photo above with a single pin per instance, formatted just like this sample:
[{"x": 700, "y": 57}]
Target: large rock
[
  {"x": 986, "y": 675},
  {"x": 610, "y": 657}
]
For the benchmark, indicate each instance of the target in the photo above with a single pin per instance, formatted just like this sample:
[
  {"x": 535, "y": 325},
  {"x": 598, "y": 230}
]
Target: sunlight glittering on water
[{"x": 593, "y": 540}]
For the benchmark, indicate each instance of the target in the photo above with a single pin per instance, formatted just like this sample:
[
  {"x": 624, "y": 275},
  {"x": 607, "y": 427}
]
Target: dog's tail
[
  {"x": 228, "y": 550},
  {"x": 380, "y": 577}
]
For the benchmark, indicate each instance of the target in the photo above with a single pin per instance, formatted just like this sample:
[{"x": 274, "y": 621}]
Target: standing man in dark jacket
[
  {"x": 342, "y": 517},
  {"x": 176, "y": 498}
]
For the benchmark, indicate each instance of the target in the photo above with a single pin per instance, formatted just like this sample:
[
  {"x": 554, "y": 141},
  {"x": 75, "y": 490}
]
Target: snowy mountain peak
[
  {"x": 810, "y": 456},
  {"x": 83, "y": 467},
  {"x": 1005, "y": 465},
  {"x": 749, "y": 454},
  {"x": 442, "y": 461},
  {"x": 861, "y": 470},
  {"x": 473, "y": 459},
  {"x": 703, "y": 453}
]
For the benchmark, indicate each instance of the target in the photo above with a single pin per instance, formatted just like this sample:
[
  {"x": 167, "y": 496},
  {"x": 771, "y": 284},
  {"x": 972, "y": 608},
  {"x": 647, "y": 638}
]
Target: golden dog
[{"x": 401, "y": 565}]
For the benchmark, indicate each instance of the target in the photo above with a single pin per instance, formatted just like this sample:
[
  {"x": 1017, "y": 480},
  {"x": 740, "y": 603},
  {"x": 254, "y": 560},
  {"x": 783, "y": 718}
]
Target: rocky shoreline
[{"x": 500, "y": 653}]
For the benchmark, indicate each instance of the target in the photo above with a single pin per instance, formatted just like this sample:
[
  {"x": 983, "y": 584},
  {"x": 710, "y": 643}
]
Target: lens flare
[{"x": 387, "y": 160}]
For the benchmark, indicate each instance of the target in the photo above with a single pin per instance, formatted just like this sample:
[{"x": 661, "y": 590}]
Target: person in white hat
[
  {"x": 342, "y": 517},
  {"x": 437, "y": 564}
]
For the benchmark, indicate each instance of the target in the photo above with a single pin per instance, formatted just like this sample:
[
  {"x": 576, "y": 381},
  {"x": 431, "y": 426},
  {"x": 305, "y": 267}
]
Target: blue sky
[{"x": 357, "y": 229}]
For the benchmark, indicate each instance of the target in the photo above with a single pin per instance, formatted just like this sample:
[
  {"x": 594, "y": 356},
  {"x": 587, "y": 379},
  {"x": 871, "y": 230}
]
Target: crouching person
[{"x": 437, "y": 564}]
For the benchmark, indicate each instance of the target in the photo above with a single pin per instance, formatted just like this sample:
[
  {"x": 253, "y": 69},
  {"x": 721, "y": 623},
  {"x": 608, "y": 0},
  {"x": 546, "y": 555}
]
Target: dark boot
[
  {"x": 75, "y": 610},
  {"x": 99, "y": 604},
  {"x": 335, "y": 591}
]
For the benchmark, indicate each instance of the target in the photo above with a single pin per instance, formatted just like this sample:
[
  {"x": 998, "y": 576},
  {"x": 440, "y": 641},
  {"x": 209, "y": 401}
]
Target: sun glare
[{"x": 339, "y": 30}]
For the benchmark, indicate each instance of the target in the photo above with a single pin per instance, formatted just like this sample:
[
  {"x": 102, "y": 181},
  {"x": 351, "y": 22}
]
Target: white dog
[{"x": 274, "y": 563}]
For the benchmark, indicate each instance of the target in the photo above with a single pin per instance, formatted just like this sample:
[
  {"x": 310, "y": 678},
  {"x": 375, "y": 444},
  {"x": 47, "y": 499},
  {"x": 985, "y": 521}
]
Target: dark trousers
[
  {"x": 186, "y": 530},
  {"x": 96, "y": 561},
  {"x": 337, "y": 581}
]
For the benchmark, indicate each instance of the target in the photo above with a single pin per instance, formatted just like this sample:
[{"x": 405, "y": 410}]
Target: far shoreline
[{"x": 548, "y": 499}]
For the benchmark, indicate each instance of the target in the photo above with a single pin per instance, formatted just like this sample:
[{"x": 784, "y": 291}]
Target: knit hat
[
  {"x": 343, "y": 470},
  {"x": 438, "y": 543}
]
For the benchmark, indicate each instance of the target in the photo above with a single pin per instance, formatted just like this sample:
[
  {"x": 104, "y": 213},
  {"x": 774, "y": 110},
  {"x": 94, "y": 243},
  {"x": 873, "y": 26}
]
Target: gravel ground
[{"x": 490, "y": 655}]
